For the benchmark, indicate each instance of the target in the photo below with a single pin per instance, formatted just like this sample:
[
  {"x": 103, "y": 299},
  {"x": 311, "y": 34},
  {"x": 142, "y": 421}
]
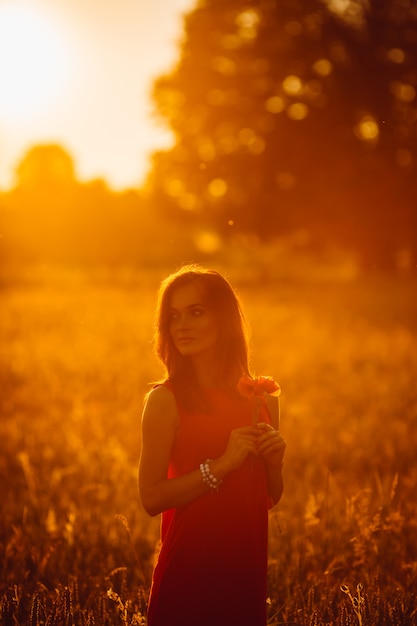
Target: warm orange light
[
  {"x": 35, "y": 62},
  {"x": 367, "y": 129},
  {"x": 297, "y": 111},
  {"x": 228, "y": 143},
  {"x": 403, "y": 91},
  {"x": 292, "y": 85},
  {"x": 323, "y": 67},
  {"x": 257, "y": 147},
  {"x": 247, "y": 136},
  {"x": 206, "y": 150},
  {"x": 248, "y": 22},
  {"x": 231, "y": 42},
  {"x": 187, "y": 202},
  {"x": 396, "y": 55},
  {"x": 174, "y": 187},
  {"x": 254, "y": 143},
  {"x": 275, "y": 104},
  {"x": 216, "y": 97},
  {"x": 207, "y": 241},
  {"x": 217, "y": 187},
  {"x": 224, "y": 66}
]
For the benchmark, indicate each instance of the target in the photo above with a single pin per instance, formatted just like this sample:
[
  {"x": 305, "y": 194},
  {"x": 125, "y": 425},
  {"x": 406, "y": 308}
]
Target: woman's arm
[{"x": 159, "y": 428}]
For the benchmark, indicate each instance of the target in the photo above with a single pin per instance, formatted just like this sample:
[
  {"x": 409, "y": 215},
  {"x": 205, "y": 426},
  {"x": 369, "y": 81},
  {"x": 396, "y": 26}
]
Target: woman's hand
[
  {"x": 242, "y": 441},
  {"x": 270, "y": 444}
]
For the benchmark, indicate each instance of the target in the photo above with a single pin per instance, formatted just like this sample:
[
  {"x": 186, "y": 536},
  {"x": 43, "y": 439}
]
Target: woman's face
[{"x": 193, "y": 326}]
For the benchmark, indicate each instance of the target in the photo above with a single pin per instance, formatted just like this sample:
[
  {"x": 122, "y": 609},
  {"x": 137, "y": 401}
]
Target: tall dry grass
[{"x": 76, "y": 359}]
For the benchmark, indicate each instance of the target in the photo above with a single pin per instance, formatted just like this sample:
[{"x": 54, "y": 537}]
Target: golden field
[{"x": 76, "y": 360}]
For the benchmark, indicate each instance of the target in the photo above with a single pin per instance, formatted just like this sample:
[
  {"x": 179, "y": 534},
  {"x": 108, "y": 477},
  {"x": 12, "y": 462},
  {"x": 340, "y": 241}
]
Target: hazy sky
[{"x": 79, "y": 73}]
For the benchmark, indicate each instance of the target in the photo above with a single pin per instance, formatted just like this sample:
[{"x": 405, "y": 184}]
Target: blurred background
[
  {"x": 135, "y": 136},
  {"x": 275, "y": 140}
]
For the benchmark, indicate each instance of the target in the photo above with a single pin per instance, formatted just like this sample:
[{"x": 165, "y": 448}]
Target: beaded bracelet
[{"x": 211, "y": 481}]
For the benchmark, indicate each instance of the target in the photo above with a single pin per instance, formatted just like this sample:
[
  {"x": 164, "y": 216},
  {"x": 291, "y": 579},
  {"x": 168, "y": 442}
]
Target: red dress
[{"x": 212, "y": 567}]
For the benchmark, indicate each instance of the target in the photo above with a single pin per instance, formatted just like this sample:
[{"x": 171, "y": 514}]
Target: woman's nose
[{"x": 182, "y": 321}]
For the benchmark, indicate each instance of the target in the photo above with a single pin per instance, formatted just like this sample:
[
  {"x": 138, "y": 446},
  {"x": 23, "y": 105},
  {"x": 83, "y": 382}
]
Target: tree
[
  {"x": 48, "y": 166},
  {"x": 50, "y": 217},
  {"x": 39, "y": 209},
  {"x": 289, "y": 115}
]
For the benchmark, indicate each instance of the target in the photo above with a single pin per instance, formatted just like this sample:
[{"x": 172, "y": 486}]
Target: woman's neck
[{"x": 206, "y": 371}]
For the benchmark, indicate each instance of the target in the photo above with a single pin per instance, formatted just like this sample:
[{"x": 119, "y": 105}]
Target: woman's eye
[{"x": 198, "y": 312}]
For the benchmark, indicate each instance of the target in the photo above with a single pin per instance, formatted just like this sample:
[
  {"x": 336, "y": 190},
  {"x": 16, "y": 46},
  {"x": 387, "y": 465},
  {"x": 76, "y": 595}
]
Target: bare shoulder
[
  {"x": 161, "y": 397},
  {"x": 160, "y": 407}
]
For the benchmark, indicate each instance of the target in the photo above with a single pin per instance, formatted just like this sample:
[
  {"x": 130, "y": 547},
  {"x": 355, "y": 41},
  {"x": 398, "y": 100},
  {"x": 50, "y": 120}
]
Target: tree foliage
[
  {"x": 50, "y": 217},
  {"x": 294, "y": 115}
]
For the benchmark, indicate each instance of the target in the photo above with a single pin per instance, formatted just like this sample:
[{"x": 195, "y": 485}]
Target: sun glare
[{"x": 34, "y": 61}]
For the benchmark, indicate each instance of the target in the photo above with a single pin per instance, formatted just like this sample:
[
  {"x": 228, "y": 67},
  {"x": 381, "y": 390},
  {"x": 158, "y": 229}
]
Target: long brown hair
[{"x": 232, "y": 344}]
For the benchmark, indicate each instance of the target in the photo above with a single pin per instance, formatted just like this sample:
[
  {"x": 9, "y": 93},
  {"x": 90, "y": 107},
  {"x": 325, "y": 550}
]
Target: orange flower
[{"x": 256, "y": 387}]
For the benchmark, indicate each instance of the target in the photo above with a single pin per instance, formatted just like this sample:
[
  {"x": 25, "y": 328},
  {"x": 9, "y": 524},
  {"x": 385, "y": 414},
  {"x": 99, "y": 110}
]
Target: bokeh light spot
[
  {"x": 248, "y": 23},
  {"x": 402, "y": 91},
  {"x": 217, "y": 187},
  {"x": 257, "y": 147},
  {"x": 248, "y": 18},
  {"x": 292, "y": 85},
  {"x": 254, "y": 143},
  {"x": 174, "y": 187},
  {"x": 275, "y": 104},
  {"x": 396, "y": 55},
  {"x": 187, "y": 202},
  {"x": 247, "y": 136},
  {"x": 207, "y": 241},
  {"x": 367, "y": 129},
  {"x": 297, "y": 111},
  {"x": 228, "y": 144},
  {"x": 224, "y": 65},
  {"x": 323, "y": 67}
]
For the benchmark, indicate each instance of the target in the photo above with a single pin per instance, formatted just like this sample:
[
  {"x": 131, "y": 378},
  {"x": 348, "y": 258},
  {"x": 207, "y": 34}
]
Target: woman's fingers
[
  {"x": 271, "y": 445},
  {"x": 242, "y": 441},
  {"x": 270, "y": 440},
  {"x": 261, "y": 439}
]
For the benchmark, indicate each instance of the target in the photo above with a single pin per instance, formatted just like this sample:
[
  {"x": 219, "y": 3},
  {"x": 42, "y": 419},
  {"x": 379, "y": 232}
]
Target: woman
[{"x": 211, "y": 461}]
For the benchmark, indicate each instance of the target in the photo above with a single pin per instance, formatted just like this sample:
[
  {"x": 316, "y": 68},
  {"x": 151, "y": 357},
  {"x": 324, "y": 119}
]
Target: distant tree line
[
  {"x": 295, "y": 115},
  {"x": 50, "y": 217}
]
